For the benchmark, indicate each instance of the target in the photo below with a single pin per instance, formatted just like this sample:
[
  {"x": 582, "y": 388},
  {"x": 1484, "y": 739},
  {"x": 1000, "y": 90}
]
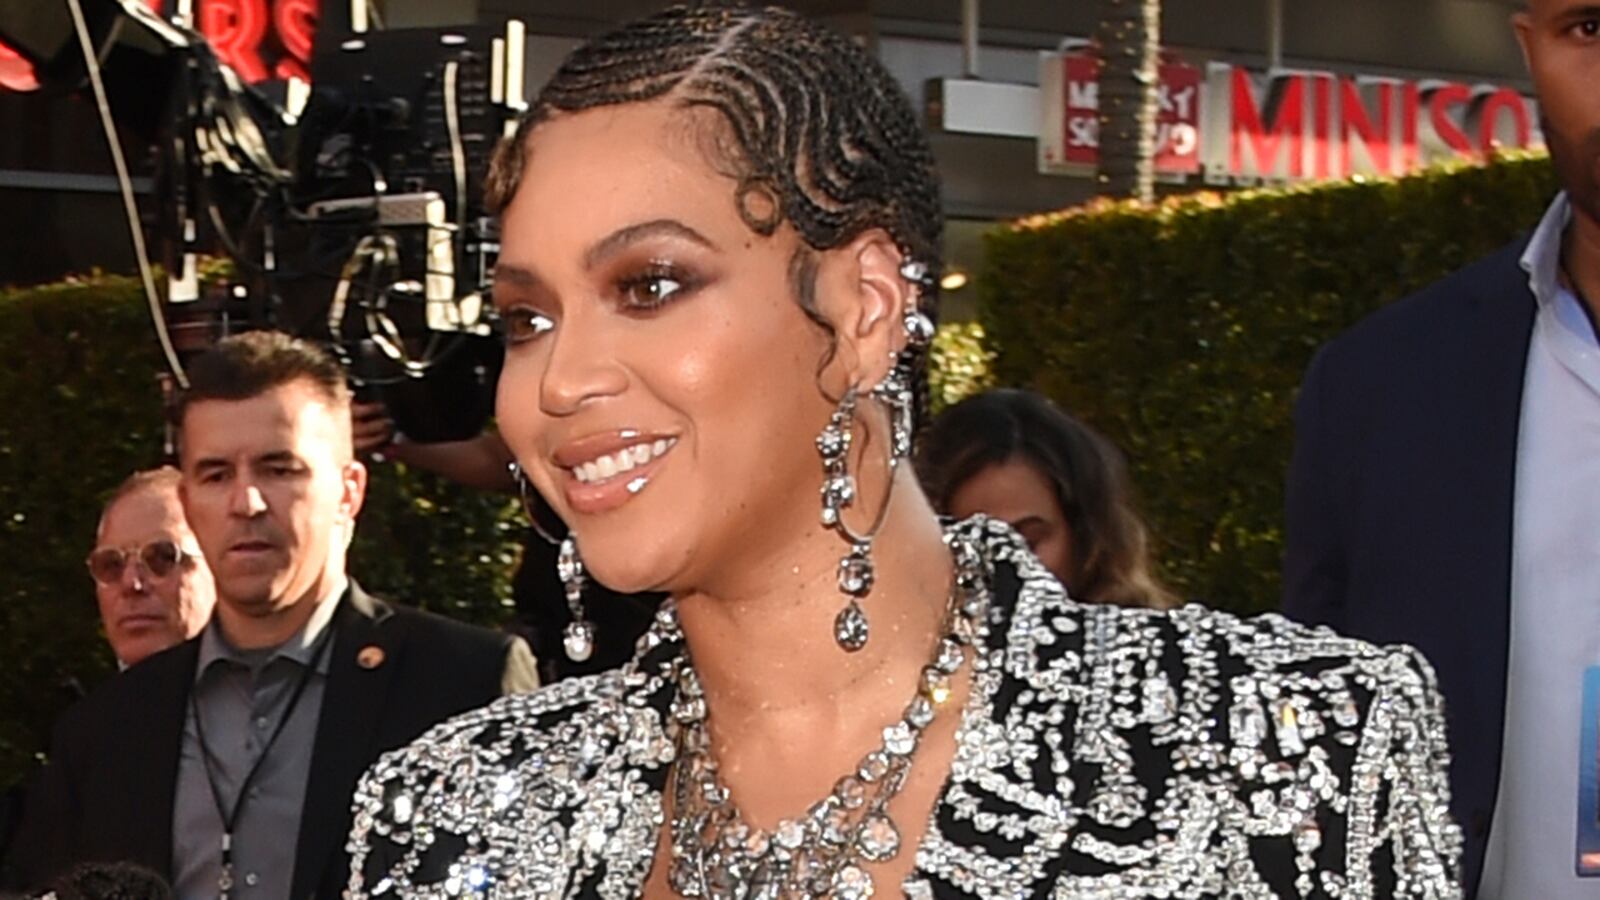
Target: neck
[
  {"x": 763, "y": 644},
  {"x": 251, "y": 631},
  {"x": 1581, "y": 258}
]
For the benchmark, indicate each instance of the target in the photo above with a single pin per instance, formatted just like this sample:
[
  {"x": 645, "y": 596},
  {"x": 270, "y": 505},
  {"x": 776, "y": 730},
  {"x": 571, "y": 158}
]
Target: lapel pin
[{"x": 370, "y": 657}]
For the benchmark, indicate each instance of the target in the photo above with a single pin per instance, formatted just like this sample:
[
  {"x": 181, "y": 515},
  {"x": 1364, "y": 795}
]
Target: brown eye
[
  {"x": 161, "y": 557},
  {"x": 654, "y": 288},
  {"x": 522, "y": 324}
]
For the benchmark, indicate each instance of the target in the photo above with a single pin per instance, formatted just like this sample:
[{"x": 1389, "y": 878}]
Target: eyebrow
[
  {"x": 607, "y": 247},
  {"x": 623, "y": 238},
  {"x": 276, "y": 456},
  {"x": 516, "y": 275},
  {"x": 1587, "y": 11}
]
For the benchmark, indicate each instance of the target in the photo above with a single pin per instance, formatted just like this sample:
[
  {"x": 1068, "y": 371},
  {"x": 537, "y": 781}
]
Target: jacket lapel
[
  {"x": 152, "y": 783},
  {"x": 352, "y": 710},
  {"x": 1491, "y": 401}
]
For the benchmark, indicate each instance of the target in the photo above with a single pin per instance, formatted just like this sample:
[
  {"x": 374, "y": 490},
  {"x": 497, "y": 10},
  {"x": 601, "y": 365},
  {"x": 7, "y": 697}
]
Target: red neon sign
[
  {"x": 261, "y": 40},
  {"x": 16, "y": 73}
]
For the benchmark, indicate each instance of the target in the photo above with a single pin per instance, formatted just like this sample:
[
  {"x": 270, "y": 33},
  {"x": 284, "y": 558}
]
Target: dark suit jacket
[
  {"x": 1400, "y": 500},
  {"x": 107, "y": 792}
]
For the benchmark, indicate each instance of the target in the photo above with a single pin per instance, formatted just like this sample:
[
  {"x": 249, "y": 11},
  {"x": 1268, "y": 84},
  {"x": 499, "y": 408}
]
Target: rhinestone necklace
[{"x": 718, "y": 856}]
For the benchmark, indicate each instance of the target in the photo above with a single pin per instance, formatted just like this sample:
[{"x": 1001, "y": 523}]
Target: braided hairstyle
[{"x": 817, "y": 131}]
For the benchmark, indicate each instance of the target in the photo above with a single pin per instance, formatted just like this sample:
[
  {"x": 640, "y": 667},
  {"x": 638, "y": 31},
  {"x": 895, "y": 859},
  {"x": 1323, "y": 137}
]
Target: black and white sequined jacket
[{"x": 1104, "y": 753}]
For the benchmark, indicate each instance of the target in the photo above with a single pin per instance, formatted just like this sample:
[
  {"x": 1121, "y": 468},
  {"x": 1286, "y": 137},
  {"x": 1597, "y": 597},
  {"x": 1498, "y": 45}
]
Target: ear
[
  {"x": 866, "y": 298},
  {"x": 354, "y": 480},
  {"x": 1522, "y": 27}
]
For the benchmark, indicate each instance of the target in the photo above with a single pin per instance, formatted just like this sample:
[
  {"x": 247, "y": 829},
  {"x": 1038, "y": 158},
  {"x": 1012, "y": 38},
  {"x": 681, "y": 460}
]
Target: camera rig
[{"x": 349, "y": 213}]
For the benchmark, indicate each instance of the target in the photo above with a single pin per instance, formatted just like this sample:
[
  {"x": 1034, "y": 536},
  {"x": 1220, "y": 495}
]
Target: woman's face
[
  {"x": 1019, "y": 494},
  {"x": 661, "y": 381}
]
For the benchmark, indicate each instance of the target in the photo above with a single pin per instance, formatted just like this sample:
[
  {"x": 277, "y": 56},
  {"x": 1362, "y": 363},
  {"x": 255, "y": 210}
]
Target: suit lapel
[
  {"x": 1505, "y": 329},
  {"x": 1491, "y": 401},
  {"x": 352, "y": 709},
  {"x": 151, "y": 764}
]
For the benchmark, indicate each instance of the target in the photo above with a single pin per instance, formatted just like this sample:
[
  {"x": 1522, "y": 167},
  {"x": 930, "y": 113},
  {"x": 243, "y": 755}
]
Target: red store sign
[
  {"x": 1317, "y": 125},
  {"x": 1234, "y": 125},
  {"x": 1074, "y": 78}
]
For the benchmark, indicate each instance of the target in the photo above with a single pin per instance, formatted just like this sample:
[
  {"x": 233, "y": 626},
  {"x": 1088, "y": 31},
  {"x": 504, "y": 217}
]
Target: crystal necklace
[{"x": 717, "y": 855}]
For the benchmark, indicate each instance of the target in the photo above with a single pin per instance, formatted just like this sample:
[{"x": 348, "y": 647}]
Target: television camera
[{"x": 348, "y": 212}]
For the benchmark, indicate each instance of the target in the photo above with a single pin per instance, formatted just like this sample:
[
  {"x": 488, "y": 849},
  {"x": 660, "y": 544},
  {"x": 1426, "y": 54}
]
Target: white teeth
[{"x": 624, "y": 460}]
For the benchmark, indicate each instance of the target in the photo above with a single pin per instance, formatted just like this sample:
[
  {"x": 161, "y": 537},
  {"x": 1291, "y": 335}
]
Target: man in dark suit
[
  {"x": 1445, "y": 492},
  {"x": 228, "y": 762}
]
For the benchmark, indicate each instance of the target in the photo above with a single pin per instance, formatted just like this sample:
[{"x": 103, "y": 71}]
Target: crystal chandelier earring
[
  {"x": 856, "y": 572},
  {"x": 579, "y": 637}
]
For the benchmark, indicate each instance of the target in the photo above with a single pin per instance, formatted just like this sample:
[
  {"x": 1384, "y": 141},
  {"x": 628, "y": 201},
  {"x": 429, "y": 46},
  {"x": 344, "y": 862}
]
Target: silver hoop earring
[
  {"x": 531, "y": 503},
  {"x": 579, "y": 637},
  {"x": 856, "y": 572}
]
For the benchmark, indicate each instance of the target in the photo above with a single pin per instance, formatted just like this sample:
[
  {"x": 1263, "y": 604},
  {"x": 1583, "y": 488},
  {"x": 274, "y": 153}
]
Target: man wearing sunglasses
[
  {"x": 150, "y": 579},
  {"x": 228, "y": 763}
]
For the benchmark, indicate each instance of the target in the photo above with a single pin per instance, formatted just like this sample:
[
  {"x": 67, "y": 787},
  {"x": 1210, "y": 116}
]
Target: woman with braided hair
[{"x": 720, "y": 236}]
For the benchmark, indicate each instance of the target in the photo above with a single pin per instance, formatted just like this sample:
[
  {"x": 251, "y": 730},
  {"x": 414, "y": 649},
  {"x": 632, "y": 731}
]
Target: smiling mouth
[{"x": 610, "y": 466}]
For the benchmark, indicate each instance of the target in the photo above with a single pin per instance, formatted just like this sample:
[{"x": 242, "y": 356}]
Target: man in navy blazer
[{"x": 1445, "y": 492}]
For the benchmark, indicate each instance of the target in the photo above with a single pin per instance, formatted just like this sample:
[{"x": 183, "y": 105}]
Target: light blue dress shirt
[{"x": 1555, "y": 592}]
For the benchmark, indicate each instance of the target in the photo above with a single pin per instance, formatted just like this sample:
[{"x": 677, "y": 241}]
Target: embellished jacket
[{"x": 1104, "y": 753}]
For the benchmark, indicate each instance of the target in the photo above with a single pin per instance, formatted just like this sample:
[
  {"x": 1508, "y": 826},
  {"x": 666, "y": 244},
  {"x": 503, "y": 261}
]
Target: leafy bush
[
  {"x": 83, "y": 410},
  {"x": 1181, "y": 331},
  {"x": 959, "y": 364}
]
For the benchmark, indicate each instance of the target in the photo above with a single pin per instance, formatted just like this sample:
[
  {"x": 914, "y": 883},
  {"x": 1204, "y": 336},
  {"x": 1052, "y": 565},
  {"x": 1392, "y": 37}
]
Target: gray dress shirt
[{"x": 241, "y": 696}]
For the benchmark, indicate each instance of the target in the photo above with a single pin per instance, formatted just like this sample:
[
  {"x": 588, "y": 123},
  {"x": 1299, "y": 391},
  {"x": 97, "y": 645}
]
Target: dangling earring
[
  {"x": 856, "y": 572},
  {"x": 850, "y": 627},
  {"x": 579, "y": 637}
]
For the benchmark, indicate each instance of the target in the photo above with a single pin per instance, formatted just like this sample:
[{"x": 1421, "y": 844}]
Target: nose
[
  {"x": 133, "y": 576},
  {"x": 582, "y": 365},
  {"x": 246, "y": 500}
]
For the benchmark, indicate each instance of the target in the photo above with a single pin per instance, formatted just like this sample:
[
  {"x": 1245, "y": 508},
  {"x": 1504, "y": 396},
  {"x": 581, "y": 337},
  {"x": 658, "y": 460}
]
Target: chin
[
  {"x": 251, "y": 596},
  {"x": 619, "y": 562}
]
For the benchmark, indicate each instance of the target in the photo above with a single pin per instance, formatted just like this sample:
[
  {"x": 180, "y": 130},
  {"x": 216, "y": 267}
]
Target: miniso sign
[{"x": 1232, "y": 125}]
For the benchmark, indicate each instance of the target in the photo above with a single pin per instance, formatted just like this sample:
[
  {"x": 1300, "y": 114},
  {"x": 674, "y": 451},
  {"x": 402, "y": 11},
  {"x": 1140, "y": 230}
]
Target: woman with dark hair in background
[
  {"x": 720, "y": 235},
  {"x": 1015, "y": 456}
]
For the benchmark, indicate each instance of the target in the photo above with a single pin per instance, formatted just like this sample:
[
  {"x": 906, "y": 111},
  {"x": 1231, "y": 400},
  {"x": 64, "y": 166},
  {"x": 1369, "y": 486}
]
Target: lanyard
[{"x": 230, "y": 818}]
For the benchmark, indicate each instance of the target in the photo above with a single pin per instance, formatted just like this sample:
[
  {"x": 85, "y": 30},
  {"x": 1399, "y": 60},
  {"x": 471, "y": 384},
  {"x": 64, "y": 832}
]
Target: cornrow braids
[{"x": 818, "y": 133}]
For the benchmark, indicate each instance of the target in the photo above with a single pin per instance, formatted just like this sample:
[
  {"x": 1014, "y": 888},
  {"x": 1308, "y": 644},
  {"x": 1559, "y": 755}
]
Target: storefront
[{"x": 1253, "y": 90}]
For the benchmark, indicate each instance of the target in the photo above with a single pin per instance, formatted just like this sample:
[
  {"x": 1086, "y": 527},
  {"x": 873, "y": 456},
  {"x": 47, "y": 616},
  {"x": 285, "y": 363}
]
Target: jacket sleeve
[
  {"x": 43, "y": 841},
  {"x": 1402, "y": 840},
  {"x": 1314, "y": 560}
]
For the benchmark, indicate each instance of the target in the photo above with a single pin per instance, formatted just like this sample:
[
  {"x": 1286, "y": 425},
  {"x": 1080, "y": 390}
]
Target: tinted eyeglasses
[{"x": 159, "y": 558}]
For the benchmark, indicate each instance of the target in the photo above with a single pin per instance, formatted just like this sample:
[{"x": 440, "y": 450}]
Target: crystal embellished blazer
[{"x": 1104, "y": 753}]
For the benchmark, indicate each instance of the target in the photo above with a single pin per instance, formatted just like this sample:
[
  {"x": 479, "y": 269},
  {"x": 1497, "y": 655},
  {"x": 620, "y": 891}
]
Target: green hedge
[
  {"x": 1182, "y": 330},
  {"x": 82, "y": 410}
]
